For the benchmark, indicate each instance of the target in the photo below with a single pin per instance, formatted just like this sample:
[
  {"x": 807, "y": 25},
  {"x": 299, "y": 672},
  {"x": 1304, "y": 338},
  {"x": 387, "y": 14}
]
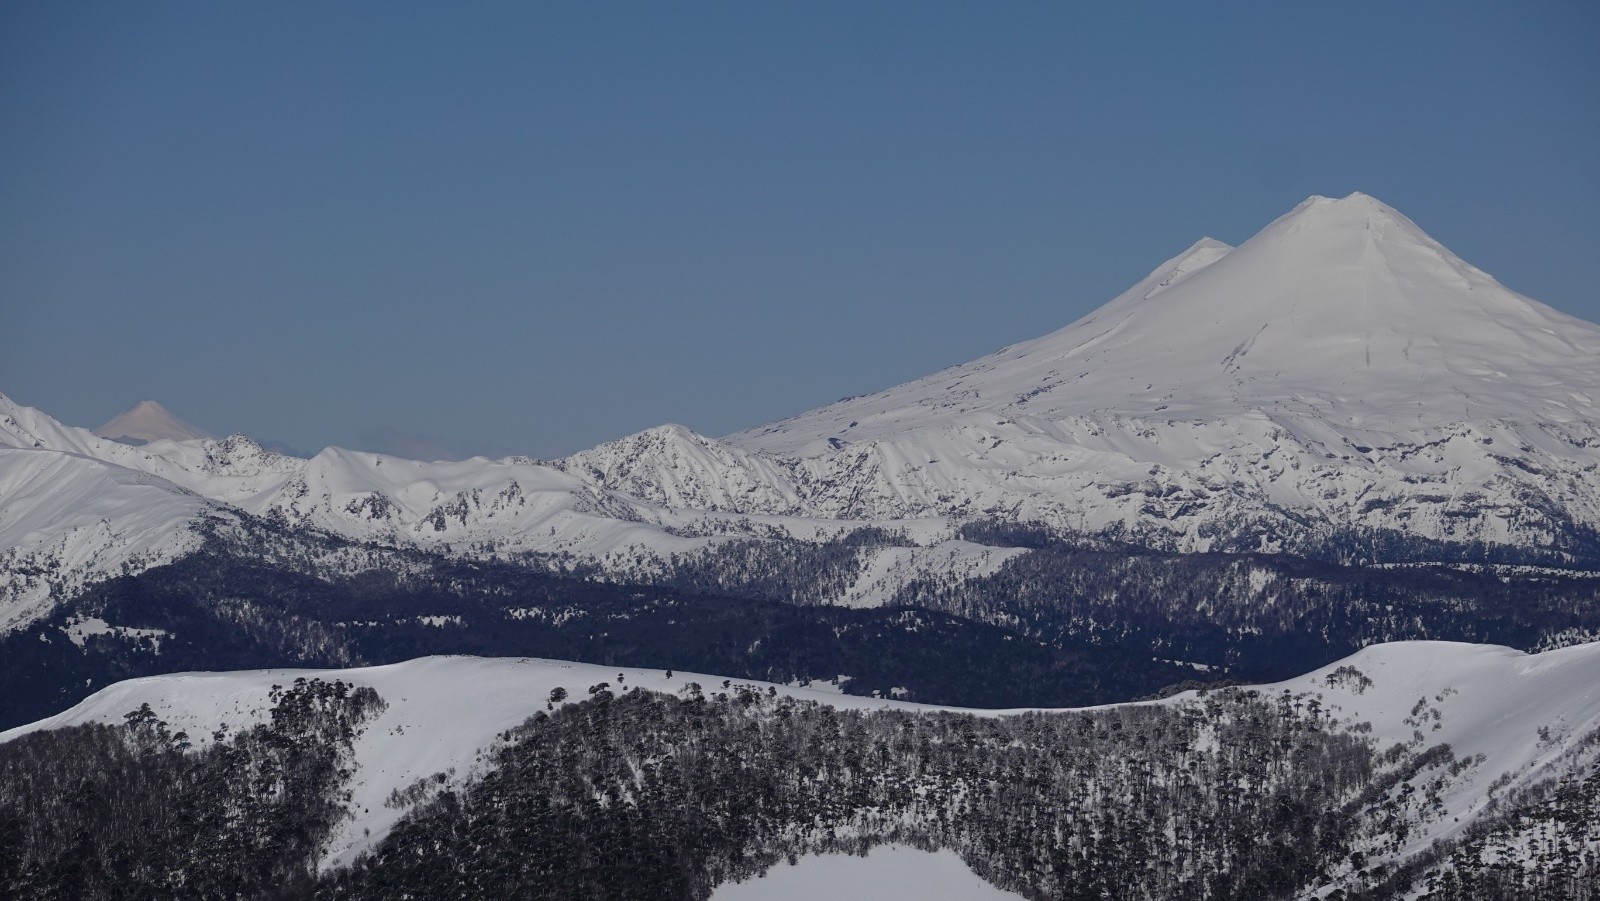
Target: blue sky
[{"x": 533, "y": 227}]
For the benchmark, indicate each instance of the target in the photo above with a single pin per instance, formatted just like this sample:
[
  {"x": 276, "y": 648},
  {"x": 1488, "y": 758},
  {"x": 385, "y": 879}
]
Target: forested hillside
[
  {"x": 634, "y": 794},
  {"x": 1065, "y": 624}
]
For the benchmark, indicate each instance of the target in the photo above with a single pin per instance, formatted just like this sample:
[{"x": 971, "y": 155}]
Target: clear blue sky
[{"x": 532, "y": 227}]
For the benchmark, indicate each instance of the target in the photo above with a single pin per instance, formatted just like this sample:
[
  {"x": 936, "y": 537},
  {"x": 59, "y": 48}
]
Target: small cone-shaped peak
[
  {"x": 1200, "y": 254},
  {"x": 148, "y": 421}
]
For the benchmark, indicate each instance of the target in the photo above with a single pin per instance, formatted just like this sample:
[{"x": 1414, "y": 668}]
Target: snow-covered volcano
[
  {"x": 1342, "y": 311},
  {"x": 148, "y": 421},
  {"x": 1339, "y": 370},
  {"x": 1340, "y": 377}
]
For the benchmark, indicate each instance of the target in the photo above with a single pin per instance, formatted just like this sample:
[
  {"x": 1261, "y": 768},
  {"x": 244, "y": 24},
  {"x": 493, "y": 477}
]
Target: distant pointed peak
[
  {"x": 148, "y": 421},
  {"x": 150, "y": 407}
]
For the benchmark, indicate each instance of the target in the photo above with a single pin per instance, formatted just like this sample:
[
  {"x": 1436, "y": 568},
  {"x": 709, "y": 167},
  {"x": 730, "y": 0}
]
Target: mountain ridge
[
  {"x": 1339, "y": 374},
  {"x": 1511, "y": 719}
]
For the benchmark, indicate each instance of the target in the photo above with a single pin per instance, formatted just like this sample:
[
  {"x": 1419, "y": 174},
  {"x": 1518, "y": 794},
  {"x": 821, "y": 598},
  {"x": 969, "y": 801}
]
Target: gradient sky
[{"x": 457, "y": 228}]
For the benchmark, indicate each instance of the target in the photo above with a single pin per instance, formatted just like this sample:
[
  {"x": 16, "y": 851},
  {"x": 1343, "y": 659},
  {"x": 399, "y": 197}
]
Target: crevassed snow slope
[{"x": 443, "y": 711}]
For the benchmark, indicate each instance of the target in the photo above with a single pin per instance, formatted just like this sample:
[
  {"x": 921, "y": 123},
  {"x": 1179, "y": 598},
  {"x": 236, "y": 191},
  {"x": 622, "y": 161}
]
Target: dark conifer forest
[
  {"x": 1067, "y": 624},
  {"x": 631, "y": 794},
  {"x": 137, "y": 811},
  {"x": 636, "y": 795}
]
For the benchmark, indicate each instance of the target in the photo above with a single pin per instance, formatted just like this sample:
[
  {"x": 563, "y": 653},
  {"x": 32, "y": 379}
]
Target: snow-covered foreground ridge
[
  {"x": 1338, "y": 373},
  {"x": 891, "y": 873},
  {"x": 1521, "y": 712}
]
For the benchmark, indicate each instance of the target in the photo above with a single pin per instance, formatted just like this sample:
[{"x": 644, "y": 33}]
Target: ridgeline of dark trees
[
  {"x": 644, "y": 796},
  {"x": 135, "y": 812},
  {"x": 1252, "y": 617},
  {"x": 226, "y": 611},
  {"x": 1069, "y": 623},
  {"x": 1262, "y": 616},
  {"x": 650, "y": 796}
]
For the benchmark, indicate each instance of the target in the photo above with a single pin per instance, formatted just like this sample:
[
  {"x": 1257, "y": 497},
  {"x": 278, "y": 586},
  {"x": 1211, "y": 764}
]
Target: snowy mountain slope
[
  {"x": 66, "y": 520},
  {"x": 1338, "y": 371},
  {"x": 475, "y": 506},
  {"x": 1341, "y": 311},
  {"x": 672, "y": 466},
  {"x": 1339, "y": 374},
  {"x": 148, "y": 421},
  {"x": 890, "y": 568},
  {"x": 1339, "y": 367},
  {"x": 1521, "y": 712},
  {"x": 444, "y": 711},
  {"x": 615, "y": 506}
]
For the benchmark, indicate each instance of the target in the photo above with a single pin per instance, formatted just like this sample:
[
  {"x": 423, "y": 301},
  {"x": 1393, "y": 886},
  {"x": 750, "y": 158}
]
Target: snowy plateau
[{"x": 1340, "y": 378}]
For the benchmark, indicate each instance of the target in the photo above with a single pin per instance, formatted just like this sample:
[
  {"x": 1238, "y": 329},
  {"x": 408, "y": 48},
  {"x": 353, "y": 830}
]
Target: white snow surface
[
  {"x": 1342, "y": 310},
  {"x": 886, "y": 873},
  {"x": 66, "y": 520},
  {"x": 1339, "y": 369},
  {"x": 445, "y": 713},
  {"x": 1340, "y": 362},
  {"x": 1490, "y": 700},
  {"x": 890, "y": 568}
]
